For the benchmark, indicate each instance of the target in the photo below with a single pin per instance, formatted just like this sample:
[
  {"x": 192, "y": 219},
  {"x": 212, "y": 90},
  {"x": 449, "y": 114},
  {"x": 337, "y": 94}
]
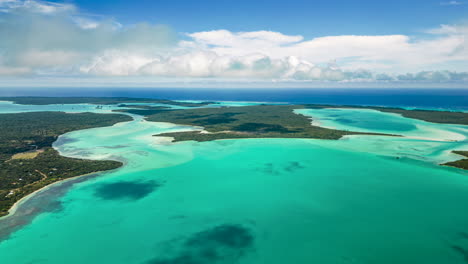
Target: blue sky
[
  {"x": 182, "y": 41},
  {"x": 307, "y": 18}
]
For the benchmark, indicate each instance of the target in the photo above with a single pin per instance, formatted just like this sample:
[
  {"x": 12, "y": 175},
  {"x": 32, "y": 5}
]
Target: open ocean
[
  {"x": 360, "y": 199},
  {"x": 455, "y": 99}
]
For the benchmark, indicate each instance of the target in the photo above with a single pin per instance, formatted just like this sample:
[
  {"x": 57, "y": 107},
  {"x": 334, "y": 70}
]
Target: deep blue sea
[{"x": 409, "y": 97}]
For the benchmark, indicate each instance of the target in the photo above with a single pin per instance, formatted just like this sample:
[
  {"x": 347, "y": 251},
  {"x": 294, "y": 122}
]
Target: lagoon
[{"x": 361, "y": 199}]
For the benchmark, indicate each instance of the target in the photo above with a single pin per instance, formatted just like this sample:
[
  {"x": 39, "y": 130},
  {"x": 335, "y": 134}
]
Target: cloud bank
[{"x": 52, "y": 39}]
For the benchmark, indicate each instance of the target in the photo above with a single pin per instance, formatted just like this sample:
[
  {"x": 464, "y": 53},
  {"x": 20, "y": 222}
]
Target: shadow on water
[
  {"x": 44, "y": 201},
  {"x": 125, "y": 190},
  {"x": 462, "y": 251},
  {"x": 278, "y": 169},
  {"x": 221, "y": 244}
]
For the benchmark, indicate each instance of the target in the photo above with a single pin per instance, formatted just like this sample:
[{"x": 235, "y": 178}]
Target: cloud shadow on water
[
  {"x": 221, "y": 244},
  {"x": 126, "y": 190}
]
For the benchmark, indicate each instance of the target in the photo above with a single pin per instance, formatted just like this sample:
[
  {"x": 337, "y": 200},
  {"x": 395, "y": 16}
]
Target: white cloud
[
  {"x": 35, "y": 6},
  {"x": 45, "y": 38},
  {"x": 401, "y": 52}
]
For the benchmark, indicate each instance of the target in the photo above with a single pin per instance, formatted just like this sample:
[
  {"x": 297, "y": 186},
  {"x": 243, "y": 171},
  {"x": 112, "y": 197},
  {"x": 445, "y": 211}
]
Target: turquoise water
[{"x": 362, "y": 199}]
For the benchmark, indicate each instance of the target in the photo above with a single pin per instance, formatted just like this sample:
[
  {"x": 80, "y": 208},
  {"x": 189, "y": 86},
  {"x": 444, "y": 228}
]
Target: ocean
[
  {"x": 360, "y": 199},
  {"x": 443, "y": 98}
]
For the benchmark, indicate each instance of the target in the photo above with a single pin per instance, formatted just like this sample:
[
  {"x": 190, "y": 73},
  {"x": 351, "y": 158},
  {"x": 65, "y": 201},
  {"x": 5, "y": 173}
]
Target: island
[
  {"x": 28, "y": 162},
  {"x": 462, "y": 163},
  {"x": 258, "y": 121},
  {"x": 36, "y": 100}
]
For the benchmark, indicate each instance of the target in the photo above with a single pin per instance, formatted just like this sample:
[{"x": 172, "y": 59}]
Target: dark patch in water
[
  {"x": 221, "y": 244},
  {"x": 293, "y": 166},
  {"x": 463, "y": 252},
  {"x": 270, "y": 168},
  {"x": 125, "y": 190},
  {"x": 54, "y": 207},
  {"x": 116, "y": 147},
  {"x": 345, "y": 120},
  {"x": 232, "y": 236},
  {"x": 43, "y": 201},
  {"x": 463, "y": 235}
]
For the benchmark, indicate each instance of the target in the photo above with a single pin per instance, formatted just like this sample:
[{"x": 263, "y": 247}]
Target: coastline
[
  {"x": 42, "y": 200},
  {"x": 17, "y": 204},
  {"x": 12, "y": 210}
]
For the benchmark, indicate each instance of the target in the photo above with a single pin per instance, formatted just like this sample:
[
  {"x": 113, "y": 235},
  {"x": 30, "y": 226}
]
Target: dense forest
[
  {"x": 20, "y": 177},
  {"x": 279, "y": 121},
  {"x": 29, "y": 131},
  {"x": 442, "y": 117},
  {"x": 33, "y": 100},
  {"x": 34, "y": 133},
  {"x": 28, "y": 163},
  {"x": 144, "y": 110},
  {"x": 463, "y": 163},
  {"x": 260, "y": 121}
]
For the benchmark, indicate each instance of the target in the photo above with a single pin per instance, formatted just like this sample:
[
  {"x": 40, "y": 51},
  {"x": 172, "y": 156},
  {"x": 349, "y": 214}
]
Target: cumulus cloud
[
  {"x": 45, "y": 38},
  {"x": 38, "y": 35},
  {"x": 442, "y": 45}
]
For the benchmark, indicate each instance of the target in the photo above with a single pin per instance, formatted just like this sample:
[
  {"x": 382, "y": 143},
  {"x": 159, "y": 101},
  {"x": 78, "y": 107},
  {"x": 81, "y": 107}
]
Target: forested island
[
  {"x": 33, "y": 100},
  {"x": 463, "y": 163},
  {"x": 259, "y": 121},
  {"x": 441, "y": 117},
  {"x": 27, "y": 161}
]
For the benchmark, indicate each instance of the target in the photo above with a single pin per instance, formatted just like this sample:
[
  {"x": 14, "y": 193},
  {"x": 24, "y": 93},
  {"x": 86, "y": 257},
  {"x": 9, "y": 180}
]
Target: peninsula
[{"x": 28, "y": 163}]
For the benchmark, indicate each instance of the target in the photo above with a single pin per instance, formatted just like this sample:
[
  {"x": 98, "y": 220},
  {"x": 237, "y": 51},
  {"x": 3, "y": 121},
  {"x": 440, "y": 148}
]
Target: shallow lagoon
[{"x": 258, "y": 200}]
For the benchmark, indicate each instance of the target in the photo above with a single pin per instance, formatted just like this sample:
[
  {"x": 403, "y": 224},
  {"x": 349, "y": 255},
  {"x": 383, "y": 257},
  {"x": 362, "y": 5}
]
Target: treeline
[
  {"x": 20, "y": 177},
  {"x": 24, "y": 132},
  {"x": 29, "y": 131},
  {"x": 442, "y": 117},
  {"x": 462, "y": 163},
  {"x": 33, "y": 100},
  {"x": 260, "y": 121}
]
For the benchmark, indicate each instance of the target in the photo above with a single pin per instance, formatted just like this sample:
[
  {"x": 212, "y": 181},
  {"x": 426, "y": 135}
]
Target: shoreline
[
  {"x": 314, "y": 122},
  {"x": 17, "y": 204}
]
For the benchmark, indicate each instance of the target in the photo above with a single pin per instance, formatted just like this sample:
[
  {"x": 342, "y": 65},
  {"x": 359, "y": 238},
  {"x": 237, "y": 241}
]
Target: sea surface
[
  {"x": 360, "y": 199},
  {"x": 443, "y": 98}
]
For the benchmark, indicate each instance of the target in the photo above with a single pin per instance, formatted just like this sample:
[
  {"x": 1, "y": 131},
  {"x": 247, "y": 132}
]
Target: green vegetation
[
  {"x": 23, "y": 132},
  {"x": 35, "y": 165},
  {"x": 144, "y": 110},
  {"x": 260, "y": 121},
  {"x": 20, "y": 177},
  {"x": 31, "y": 100},
  {"x": 443, "y": 117},
  {"x": 29, "y": 131},
  {"x": 462, "y": 164}
]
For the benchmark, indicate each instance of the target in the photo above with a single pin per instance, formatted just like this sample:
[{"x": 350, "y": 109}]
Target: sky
[{"x": 182, "y": 42}]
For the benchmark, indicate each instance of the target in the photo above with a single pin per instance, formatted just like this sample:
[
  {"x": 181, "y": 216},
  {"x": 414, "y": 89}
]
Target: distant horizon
[{"x": 434, "y": 98}]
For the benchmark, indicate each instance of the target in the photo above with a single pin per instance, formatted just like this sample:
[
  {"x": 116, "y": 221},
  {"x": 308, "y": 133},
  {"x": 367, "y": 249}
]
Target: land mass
[
  {"x": 462, "y": 164},
  {"x": 27, "y": 161},
  {"x": 259, "y": 121},
  {"x": 441, "y": 117},
  {"x": 33, "y": 100},
  {"x": 279, "y": 121}
]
